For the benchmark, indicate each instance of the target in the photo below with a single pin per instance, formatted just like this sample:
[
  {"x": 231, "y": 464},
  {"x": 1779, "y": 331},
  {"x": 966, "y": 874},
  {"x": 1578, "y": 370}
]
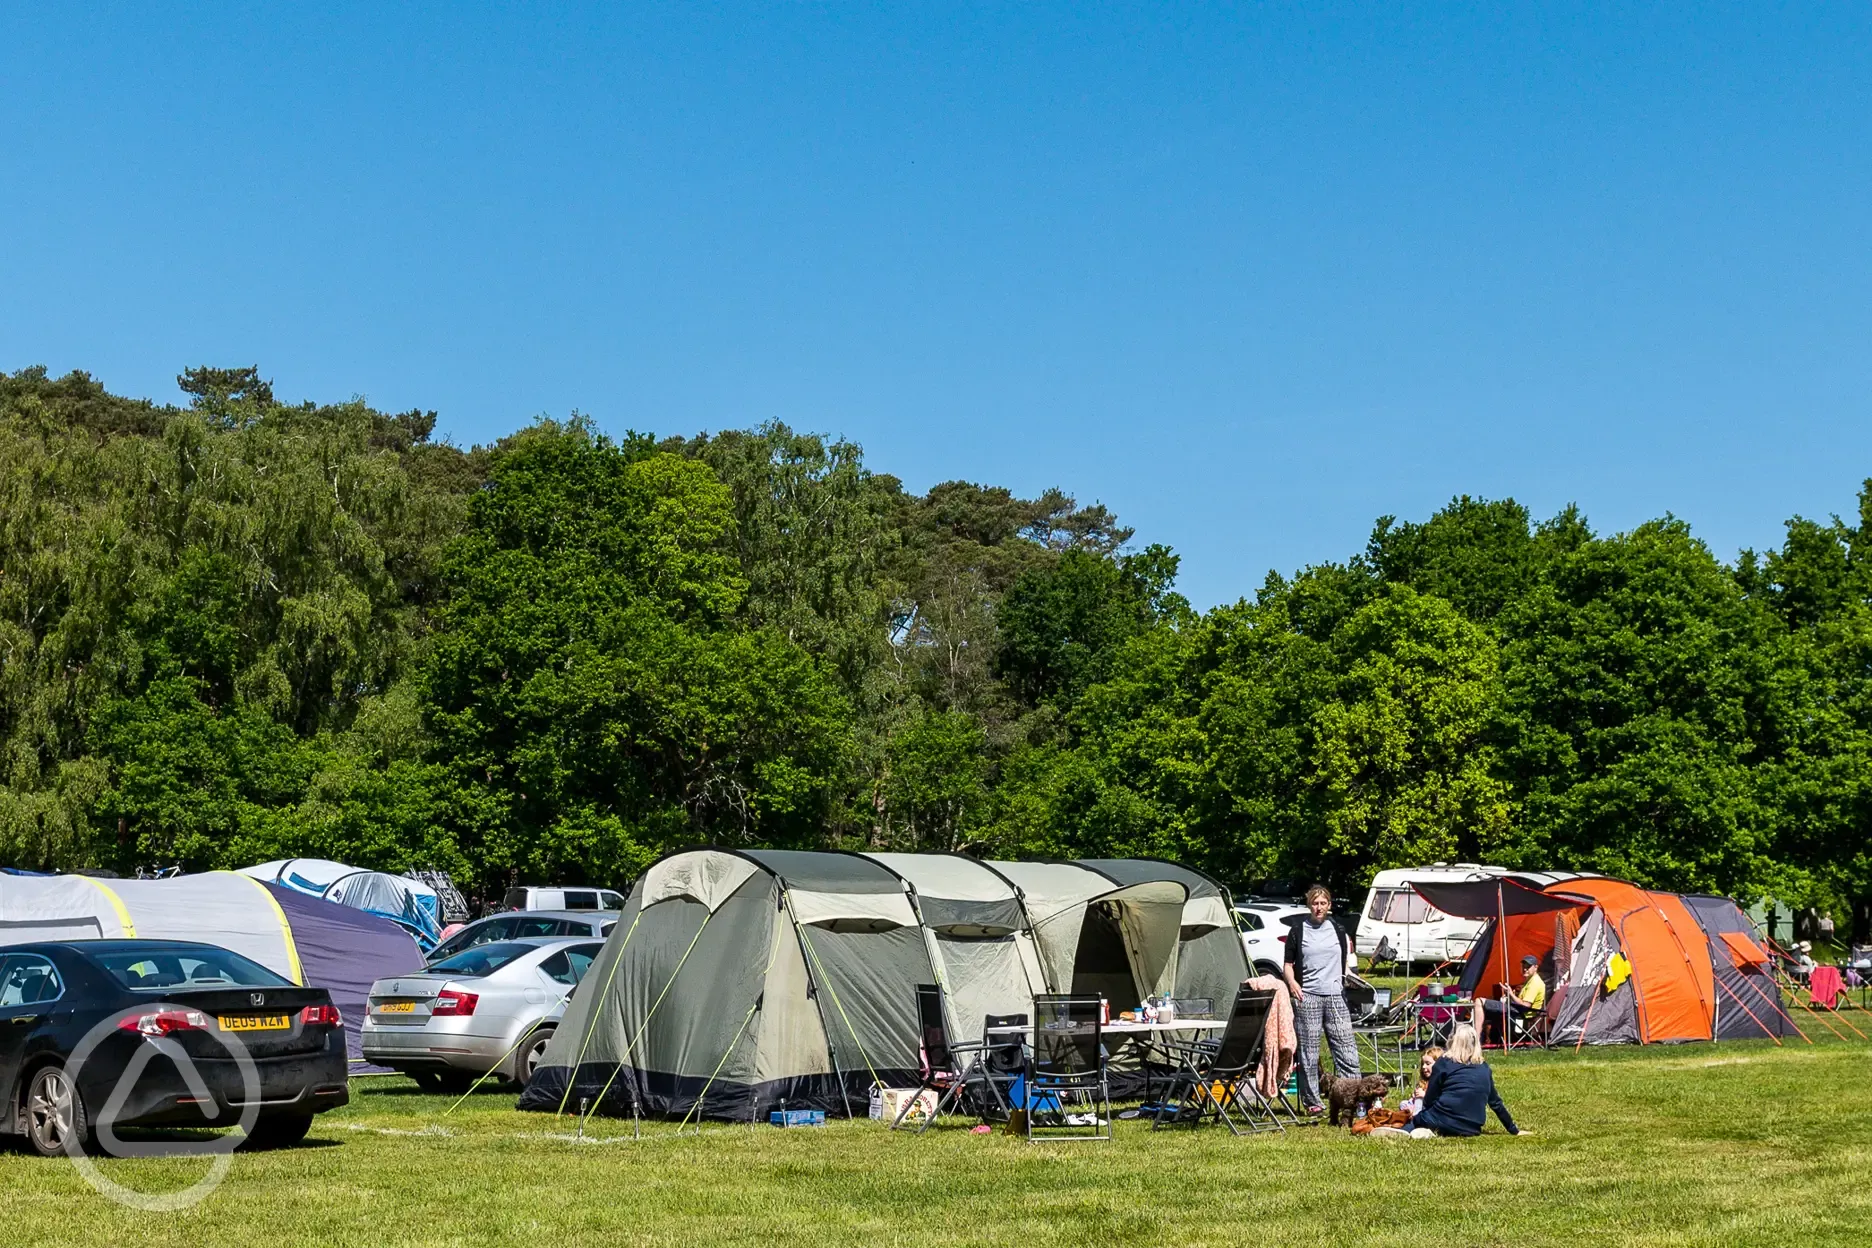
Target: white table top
[{"x": 1181, "y": 1024}]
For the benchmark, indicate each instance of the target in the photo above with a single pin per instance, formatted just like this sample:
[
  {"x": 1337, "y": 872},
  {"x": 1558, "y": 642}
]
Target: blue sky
[{"x": 1251, "y": 276}]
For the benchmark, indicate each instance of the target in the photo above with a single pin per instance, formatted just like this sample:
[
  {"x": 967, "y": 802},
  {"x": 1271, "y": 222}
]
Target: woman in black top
[{"x": 1461, "y": 1090}]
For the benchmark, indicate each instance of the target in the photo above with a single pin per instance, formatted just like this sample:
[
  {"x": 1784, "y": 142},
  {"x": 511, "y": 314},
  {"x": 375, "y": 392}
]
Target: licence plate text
[
  {"x": 254, "y": 1022},
  {"x": 397, "y": 1007}
]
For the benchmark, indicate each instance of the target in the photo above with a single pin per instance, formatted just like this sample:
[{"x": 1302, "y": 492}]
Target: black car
[{"x": 145, "y": 1003}]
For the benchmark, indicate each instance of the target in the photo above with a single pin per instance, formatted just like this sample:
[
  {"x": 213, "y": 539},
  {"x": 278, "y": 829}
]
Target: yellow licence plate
[
  {"x": 254, "y": 1022},
  {"x": 397, "y": 1007}
]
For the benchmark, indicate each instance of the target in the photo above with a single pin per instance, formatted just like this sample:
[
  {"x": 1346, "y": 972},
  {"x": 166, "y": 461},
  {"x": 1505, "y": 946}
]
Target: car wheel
[
  {"x": 55, "y": 1114},
  {"x": 1267, "y": 968},
  {"x": 531, "y": 1055},
  {"x": 280, "y": 1131}
]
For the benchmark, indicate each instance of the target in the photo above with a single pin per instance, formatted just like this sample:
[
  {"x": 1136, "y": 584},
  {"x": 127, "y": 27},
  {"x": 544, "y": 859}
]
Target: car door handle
[{"x": 21, "y": 1020}]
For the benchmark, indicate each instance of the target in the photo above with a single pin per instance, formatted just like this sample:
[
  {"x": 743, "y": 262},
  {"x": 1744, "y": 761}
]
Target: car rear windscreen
[
  {"x": 156, "y": 970},
  {"x": 482, "y": 959}
]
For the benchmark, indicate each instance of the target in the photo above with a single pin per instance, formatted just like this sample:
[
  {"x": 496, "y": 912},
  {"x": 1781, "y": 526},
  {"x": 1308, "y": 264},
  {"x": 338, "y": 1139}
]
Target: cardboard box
[{"x": 887, "y": 1103}]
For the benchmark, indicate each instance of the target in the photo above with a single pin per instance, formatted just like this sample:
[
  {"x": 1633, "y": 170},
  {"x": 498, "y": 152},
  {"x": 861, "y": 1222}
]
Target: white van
[
  {"x": 1414, "y": 930},
  {"x": 534, "y": 898}
]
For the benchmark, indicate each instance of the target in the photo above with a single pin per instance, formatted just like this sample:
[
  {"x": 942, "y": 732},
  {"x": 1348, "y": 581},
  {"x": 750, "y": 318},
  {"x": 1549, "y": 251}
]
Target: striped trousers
[{"x": 1316, "y": 1013}]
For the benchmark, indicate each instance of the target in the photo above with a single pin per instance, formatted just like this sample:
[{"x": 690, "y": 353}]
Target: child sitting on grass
[{"x": 1414, "y": 1101}]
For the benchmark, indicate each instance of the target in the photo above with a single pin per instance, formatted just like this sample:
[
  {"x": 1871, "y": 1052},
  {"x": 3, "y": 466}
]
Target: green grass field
[{"x": 1697, "y": 1144}]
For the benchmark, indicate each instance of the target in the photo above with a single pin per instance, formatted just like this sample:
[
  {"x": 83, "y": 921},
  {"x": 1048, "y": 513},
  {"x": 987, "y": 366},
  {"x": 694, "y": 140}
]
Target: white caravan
[{"x": 1413, "y": 930}]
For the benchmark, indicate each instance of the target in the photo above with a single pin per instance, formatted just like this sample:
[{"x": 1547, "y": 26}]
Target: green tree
[{"x": 595, "y": 694}]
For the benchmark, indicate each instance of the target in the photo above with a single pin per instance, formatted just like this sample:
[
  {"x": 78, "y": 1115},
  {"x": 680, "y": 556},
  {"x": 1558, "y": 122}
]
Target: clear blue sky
[{"x": 1251, "y": 276}]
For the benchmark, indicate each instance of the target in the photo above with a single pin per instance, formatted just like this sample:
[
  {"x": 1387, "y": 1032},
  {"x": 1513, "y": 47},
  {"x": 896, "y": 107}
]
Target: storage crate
[{"x": 797, "y": 1117}]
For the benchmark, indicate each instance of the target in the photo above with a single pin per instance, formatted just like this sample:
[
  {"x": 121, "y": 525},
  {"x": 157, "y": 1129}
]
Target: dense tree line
[{"x": 242, "y": 628}]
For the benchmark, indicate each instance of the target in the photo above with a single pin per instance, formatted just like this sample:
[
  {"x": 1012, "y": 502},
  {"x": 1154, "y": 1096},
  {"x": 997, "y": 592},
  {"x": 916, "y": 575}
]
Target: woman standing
[{"x": 1318, "y": 958}]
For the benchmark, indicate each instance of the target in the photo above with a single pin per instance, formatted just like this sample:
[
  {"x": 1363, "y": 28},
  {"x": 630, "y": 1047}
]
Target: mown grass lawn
[{"x": 1699, "y": 1144}]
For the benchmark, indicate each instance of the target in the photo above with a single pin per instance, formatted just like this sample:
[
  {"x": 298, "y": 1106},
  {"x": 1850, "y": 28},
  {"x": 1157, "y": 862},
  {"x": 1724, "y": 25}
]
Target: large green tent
[{"x": 740, "y": 980}]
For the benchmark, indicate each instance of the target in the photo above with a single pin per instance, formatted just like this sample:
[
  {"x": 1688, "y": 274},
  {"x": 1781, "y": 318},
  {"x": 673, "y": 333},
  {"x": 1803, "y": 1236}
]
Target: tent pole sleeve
[
  {"x": 1709, "y": 1014},
  {"x": 123, "y": 911},
  {"x": 294, "y": 969}
]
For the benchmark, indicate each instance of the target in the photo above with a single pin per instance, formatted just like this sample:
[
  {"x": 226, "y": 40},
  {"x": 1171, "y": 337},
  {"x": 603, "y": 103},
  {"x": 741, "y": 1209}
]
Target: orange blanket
[{"x": 1277, "y": 1054}]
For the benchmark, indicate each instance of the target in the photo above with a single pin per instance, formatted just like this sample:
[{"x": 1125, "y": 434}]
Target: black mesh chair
[
  {"x": 949, "y": 1067},
  {"x": 1004, "y": 1060},
  {"x": 1066, "y": 1068},
  {"x": 1214, "y": 1080}
]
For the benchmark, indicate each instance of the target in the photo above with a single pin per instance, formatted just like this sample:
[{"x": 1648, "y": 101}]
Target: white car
[
  {"x": 1264, "y": 931},
  {"x": 533, "y": 897}
]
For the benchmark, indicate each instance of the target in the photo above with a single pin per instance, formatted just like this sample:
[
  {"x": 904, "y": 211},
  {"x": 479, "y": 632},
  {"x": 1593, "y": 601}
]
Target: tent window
[{"x": 856, "y": 925}]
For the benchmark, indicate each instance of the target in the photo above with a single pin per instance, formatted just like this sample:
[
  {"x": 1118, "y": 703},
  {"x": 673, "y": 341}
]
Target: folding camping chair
[
  {"x": 1066, "y": 1066},
  {"x": 1211, "y": 1080},
  {"x": 1004, "y": 1061},
  {"x": 949, "y": 1067}
]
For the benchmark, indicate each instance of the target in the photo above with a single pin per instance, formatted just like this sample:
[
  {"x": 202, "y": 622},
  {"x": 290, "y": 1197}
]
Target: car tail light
[
  {"x": 164, "y": 1022},
  {"x": 452, "y": 1003},
  {"x": 321, "y": 1016}
]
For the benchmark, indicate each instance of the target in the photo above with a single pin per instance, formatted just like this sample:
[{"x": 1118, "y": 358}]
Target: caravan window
[
  {"x": 1380, "y": 902},
  {"x": 1406, "y": 906}
]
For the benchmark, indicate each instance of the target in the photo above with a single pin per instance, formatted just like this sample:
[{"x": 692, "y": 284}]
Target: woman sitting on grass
[{"x": 1460, "y": 1091}]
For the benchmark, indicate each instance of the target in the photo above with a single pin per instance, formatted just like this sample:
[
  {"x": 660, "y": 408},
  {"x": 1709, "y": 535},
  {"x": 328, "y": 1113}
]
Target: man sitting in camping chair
[{"x": 1519, "y": 1007}]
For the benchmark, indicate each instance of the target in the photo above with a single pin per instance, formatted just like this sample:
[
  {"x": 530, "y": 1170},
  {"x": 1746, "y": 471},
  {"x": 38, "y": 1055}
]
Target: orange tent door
[{"x": 1673, "y": 969}]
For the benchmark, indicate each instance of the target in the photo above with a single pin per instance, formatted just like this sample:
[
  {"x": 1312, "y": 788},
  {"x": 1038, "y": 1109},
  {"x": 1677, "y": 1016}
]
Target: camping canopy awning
[
  {"x": 1203, "y": 910},
  {"x": 1057, "y": 894},
  {"x": 1744, "y": 951},
  {"x": 1488, "y": 899},
  {"x": 825, "y": 889}
]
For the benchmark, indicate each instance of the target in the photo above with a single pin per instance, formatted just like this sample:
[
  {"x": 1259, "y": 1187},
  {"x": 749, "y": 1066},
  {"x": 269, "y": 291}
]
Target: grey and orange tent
[{"x": 1627, "y": 965}]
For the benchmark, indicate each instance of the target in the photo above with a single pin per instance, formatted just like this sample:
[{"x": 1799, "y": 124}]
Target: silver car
[
  {"x": 491, "y": 1007},
  {"x": 519, "y": 926}
]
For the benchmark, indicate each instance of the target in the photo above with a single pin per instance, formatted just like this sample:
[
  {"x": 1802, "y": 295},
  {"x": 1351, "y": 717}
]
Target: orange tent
[
  {"x": 1671, "y": 976},
  {"x": 1575, "y": 925}
]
